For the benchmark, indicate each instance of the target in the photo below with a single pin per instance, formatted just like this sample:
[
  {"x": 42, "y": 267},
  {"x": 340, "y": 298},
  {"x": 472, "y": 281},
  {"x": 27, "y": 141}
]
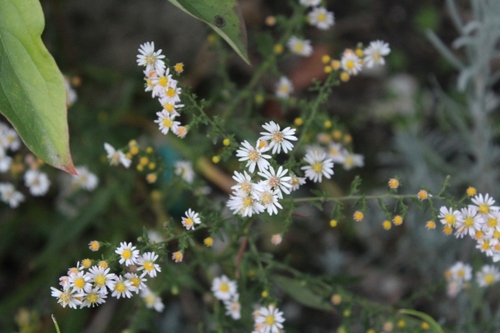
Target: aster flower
[
  {"x": 9, "y": 195},
  {"x": 276, "y": 180},
  {"x": 80, "y": 281},
  {"x": 320, "y": 18},
  {"x": 67, "y": 297},
  {"x": 152, "y": 300},
  {"x": 146, "y": 263},
  {"x": 448, "y": 216},
  {"x": 318, "y": 167},
  {"x": 487, "y": 245},
  {"x": 149, "y": 57},
  {"x": 296, "y": 181},
  {"x": 122, "y": 288},
  {"x": 5, "y": 160},
  {"x": 84, "y": 179},
  {"x": 233, "y": 307},
  {"x": 284, "y": 88},
  {"x": 244, "y": 204},
  {"x": 244, "y": 182},
  {"x": 268, "y": 198},
  {"x": 137, "y": 281},
  {"x": 37, "y": 181},
  {"x": 101, "y": 278},
  {"x": 375, "y": 53},
  {"x": 223, "y": 288},
  {"x": 484, "y": 204},
  {"x": 191, "y": 219},
  {"x": 115, "y": 157},
  {"x": 253, "y": 156},
  {"x": 487, "y": 276},
  {"x": 278, "y": 138},
  {"x": 351, "y": 63},
  {"x": 161, "y": 82},
  {"x": 177, "y": 256},
  {"x": 461, "y": 272},
  {"x": 301, "y": 47},
  {"x": 468, "y": 222},
  {"x": 166, "y": 122},
  {"x": 352, "y": 160},
  {"x": 128, "y": 254},
  {"x": 94, "y": 297},
  {"x": 270, "y": 319},
  {"x": 184, "y": 169},
  {"x": 336, "y": 152}
]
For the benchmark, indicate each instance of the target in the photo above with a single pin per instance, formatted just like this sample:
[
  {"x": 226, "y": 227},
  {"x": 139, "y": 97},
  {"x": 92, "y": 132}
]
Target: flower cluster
[
  {"x": 162, "y": 86},
  {"x": 336, "y": 151},
  {"x": 479, "y": 220},
  {"x": 459, "y": 275},
  {"x": 268, "y": 319},
  {"x": 88, "y": 285},
  {"x": 227, "y": 291},
  {"x": 318, "y": 17},
  {"x": 256, "y": 193}
]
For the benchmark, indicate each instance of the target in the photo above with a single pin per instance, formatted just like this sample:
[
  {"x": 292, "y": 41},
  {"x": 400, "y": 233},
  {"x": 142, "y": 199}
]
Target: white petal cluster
[
  {"x": 163, "y": 87},
  {"x": 226, "y": 290},
  {"x": 116, "y": 157},
  {"x": 321, "y": 18},
  {"x": 457, "y": 276},
  {"x": 337, "y": 153},
  {"x": 268, "y": 319},
  {"x": 84, "y": 179},
  {"x": 298, "y": 46},
  {"x": 88, "y": 287}
]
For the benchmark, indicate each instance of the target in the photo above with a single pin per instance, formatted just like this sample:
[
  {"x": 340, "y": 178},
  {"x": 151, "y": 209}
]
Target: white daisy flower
[
  {"x": 161, "y": 83},
  {"x": 448, "y": 216},
  {"x": 37, "y": 182},
  {"x": 461, "y": 272},
  {"x": 94, "y": 297},
  {"x": 101, "y": 278},
  {"x": 318, "y": 167},
  {"x": 128, "y": 254},
  {"x": 116, "y": 157},
  {"x": 468, "y": 222},
  {"x": 490, "y": 223},
  {"x": 191, "y": 219},
  {"x": 352, "y": 160},
  {"x": 299, "y": 46},
  {"x": 122, "y": 288},
  {"x": 149, "y": 57},
  {"x": 351, "y": 63},
  {"x": 139, "y": 282},
  {"x": 320, "y": 18},
  {"x": 244, "y": 182},
  {"x": 184, "y": 169},
  {"x": 171, "y": 108},
  {"x": 276, "y": 180},
  {"x": 270, "y": 319},
  {"x": 488, "y": 275},
  {"x": 487, "y": 246},
  {"x": 284, "y": 88},
  {"x": 243, "y": 204},
  {"x": 254, "y": 156},
  {"x": 67, "y": 297},
  {"x": 180, "y": 131},
  {"x": 233, "y": 307},
  {"x": 84, "y": 179},
  {"x": 223, "y": 288},
  {"x": 80, "y": 281},
  {"x": 310, "y": 3},
  {"x": 5, "y": 160},
  {"x": 279, "y": 138},
  {"x": 336, "y": 152},
  {"x": 375, "y": 53},
  {"x": 171, "y": 95},
  {"x": 146, "y": 263},
  {"x": 296, "y": 181},
  {"x": 484, "y": 204},
  {"x": 166, "y": 122},
  {"x": 269, "y": 199},
  {"x": 152, "y": 300}
]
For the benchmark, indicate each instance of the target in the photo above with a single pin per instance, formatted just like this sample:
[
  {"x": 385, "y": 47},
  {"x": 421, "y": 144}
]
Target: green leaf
[
  {"x": 425, "y": 317},
  {"x": 224, "y": 17},
  {"x": 32, "y": 92},
  {"x": 302, "y": 294}
]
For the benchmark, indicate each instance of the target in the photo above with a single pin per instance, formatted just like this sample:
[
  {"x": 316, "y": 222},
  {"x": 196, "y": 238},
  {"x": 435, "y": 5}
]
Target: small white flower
[
  {"x": 284, "y": 88},
  {"x": 9, "y": 195},
  {"x": 94, "y": 297},
  {"x": 318, "y": 167},
  {"x": 484, "y": 204},
  {"x": 149, "y": 57},
  {"x": 336, "y": 152},
  {"x": 253, "y": 156},
  {"x": 139, "y": 282},
  {"x": 122, "y": 288},
  {"x": 115, "y": 157},
  {"x": 320, "y": 18},
  {"x": 269, "y": 199},
  {"x": 166, "y": 122},
  {"x": 191, "y": 219},
  {"x": 276, "y": 239},
  {"x": 161, "y": 83},
  {"x": 461, "y": 272},
  {"x": 128, "y": 253},
  {"x": 233, "y": 307},
  {"x": 351, "y": 63},
  {"x": 244, "y": 204},
  {"x": 101, "y": 278},
  {"x": 352, "y": 160},
  {"x": 80, "y": 281},
  {"x": 299, "y": 46},
  {"x": 223, "y": 288},
  {"x": 37, "y": 182},
  {"x": 244, "y": 182},
  {"x": 448, "y": 216},
  {"x": 487, "y": 276},
  {"x": 270, "y": 319},
  {"x": 171, "y": 95},
  {"x": 184, "y": 169},
  {"x": 67, "y": 297},
  {"x": 296, "y": 181},
  {"x": 276, "y": 180},
  {"x": 5, "y": 160},
  {"x": 84, "y": 179},
  {"x": 279, "y": 138},
  {"x": 375, "y": 53},
  {"x": 146, "y": 263},
  {"x": 468, "y": 222},
  {"x": 152, "y": 300},
  {"x": 487, "y": 246}
]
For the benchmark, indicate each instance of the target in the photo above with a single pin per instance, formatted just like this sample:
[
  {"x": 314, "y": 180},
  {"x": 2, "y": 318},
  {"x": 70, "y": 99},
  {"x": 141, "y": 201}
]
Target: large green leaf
[
  {"x": 32, "y": 92},
  {"x": 223, "y": 16}
]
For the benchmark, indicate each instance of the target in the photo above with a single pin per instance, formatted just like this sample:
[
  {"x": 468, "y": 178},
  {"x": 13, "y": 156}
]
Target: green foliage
[{"x": 32, "y": 92}]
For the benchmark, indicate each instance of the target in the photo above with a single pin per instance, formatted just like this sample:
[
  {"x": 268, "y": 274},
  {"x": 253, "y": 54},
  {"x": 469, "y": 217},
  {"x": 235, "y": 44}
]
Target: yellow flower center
[
  {"x": 486, "y": 245},
  {"x": 277, "y": 137},
  {"x": 169, "y": 107},
  {"x": 267, "y": 198},
  {"x": 321, "y": 17},
  {"x": 171, "y": 92},
  {"x": 469, "y": 221},
  {"x": 120, "y": 287},
  {"x": 163, "y": 81},
  {"x": 349, "y": 64},
  {"x": 167, "y": 122},
  {"x": 461, "y": 273},
  {"x": 66, "y": 297},
  {"x": 270, "y": 320},
  {"x": 126, "y": 254},
  {"x": 253, "y": 155},
  {"x": 224, "y": 287},
  {"x": 92, "y": 297},
  {"x": 450, "y": 219},
  {"x": 149, "y": 266},
  {"x": 189, "y": 222},
  {"x": 317, "y": 167},
  {"x": 247, "y": 202},
  {"x": 489, "y": 279},
  {"x": 79, "y": 282},
  {"x": 484, "y": 208},
  {"x": 100, "y": 280},
  {"x": 299, "y": 47},
  {"x": 492, "y": 222},
  {"x": 246, "y": 186}
]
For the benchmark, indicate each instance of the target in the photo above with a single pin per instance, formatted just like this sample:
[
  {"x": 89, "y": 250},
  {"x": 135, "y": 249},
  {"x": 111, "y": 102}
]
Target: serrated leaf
[
  {"x": 425, "y": 317},
  {"x": 302, "y": 294},
  {"x": 32, "y": 91},
  {"x": 224, "y": 17}
]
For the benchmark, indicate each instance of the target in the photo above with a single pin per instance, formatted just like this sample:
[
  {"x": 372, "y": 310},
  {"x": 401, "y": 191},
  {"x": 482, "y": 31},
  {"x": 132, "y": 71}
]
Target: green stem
[{"x": 55, "y": 323}]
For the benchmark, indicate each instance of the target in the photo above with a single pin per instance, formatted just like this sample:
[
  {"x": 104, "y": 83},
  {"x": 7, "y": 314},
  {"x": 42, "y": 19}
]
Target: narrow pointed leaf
[
  {"x": 425, "y": 317},
  {"x": 32, "y": 91},
  {"x": 224, "y": 17},
  {"x": 302, "y": 294}
]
